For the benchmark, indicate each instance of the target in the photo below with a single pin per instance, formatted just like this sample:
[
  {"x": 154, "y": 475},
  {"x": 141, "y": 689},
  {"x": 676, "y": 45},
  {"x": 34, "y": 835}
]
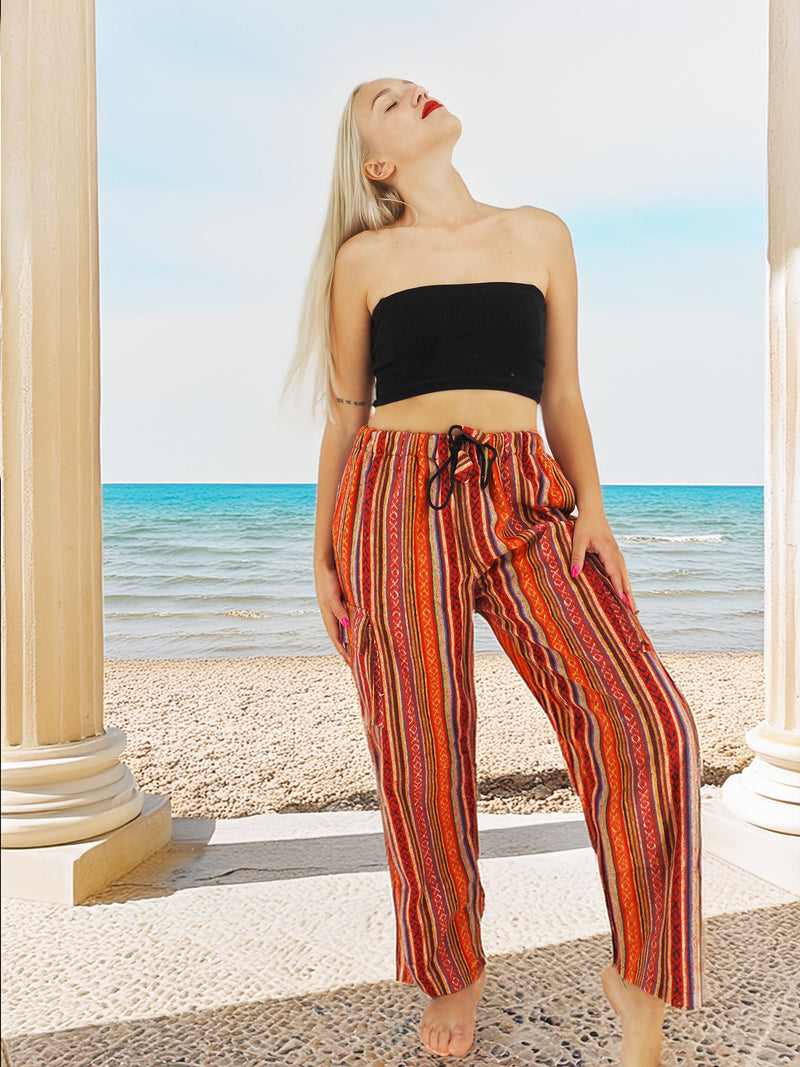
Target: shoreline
[{"x": 226, "y": 738}]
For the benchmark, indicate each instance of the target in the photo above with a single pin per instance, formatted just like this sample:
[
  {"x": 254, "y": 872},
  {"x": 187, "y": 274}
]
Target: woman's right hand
[{"x": 332, "y": 607}]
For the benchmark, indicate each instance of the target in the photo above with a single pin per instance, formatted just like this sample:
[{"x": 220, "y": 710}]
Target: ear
[{"x": 381, "y": 171}]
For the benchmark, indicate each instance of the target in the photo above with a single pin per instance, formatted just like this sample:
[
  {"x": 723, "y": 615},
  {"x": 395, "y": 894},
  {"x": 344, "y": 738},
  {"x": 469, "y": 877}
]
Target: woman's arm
[
  {"x": 352, "y": 390},
  {"x": 564, "y": 416}
]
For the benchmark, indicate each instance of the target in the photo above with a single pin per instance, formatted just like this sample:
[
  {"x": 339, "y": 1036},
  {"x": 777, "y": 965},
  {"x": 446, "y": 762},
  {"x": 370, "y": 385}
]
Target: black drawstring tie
[{"x": 487, "y": 454}]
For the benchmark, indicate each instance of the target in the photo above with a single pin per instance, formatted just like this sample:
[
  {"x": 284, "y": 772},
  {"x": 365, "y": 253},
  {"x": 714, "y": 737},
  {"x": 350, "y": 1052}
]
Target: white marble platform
[{"x": 270, "y": 940}]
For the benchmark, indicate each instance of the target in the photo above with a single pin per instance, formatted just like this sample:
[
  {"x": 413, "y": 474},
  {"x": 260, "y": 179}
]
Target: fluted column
[
  {"x": 767, "y": 792},
  {"x": 61, "y": 777}
]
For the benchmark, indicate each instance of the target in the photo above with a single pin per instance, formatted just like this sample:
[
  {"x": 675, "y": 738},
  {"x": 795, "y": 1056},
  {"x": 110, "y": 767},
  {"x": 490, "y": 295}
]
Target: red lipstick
[{"x": 429, "y": 106}]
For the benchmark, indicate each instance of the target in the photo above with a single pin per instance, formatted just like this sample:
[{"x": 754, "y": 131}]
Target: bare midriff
[{"x": 492, "y": 410}]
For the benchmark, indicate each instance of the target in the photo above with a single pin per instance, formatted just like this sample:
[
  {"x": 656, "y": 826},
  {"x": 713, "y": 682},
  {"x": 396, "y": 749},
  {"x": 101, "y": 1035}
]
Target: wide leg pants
[{"x": 426, "y": 532}]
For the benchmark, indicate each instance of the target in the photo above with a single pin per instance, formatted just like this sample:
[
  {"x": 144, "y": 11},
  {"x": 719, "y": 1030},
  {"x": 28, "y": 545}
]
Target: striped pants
[{"x": 428, "y": 528}]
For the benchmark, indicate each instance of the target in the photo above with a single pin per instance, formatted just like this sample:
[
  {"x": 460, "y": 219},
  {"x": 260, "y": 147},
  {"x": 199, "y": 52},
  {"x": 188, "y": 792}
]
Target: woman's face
[{"x": 389, "y": 113}]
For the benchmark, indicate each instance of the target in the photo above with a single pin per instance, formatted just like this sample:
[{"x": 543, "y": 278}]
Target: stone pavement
[{"x": 270, "y": 940}]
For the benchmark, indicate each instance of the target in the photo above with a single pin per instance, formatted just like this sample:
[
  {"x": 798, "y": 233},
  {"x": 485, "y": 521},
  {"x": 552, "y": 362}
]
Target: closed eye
[{"x": 389, "y": 108}]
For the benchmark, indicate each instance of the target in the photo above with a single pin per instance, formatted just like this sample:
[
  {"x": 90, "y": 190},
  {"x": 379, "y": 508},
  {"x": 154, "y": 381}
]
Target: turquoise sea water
[{"x": 207, "y": 570}]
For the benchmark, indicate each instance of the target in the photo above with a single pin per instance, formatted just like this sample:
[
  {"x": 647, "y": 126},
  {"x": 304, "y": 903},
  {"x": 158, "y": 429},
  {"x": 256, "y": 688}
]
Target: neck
[{"x": 436, "y": 198}]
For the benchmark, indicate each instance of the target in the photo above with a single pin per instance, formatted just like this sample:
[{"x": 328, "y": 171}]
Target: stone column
[
  {"x": 767, "y": 793},
  {"x": 61, "y": 777}
]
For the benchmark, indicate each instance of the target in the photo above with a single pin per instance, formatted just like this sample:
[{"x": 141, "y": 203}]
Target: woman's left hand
[{"x": 592, "y": 533}]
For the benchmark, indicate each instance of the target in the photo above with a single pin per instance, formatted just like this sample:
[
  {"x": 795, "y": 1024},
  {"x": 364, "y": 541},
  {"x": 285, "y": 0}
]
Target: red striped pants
[{"x": 427, "y": 529}]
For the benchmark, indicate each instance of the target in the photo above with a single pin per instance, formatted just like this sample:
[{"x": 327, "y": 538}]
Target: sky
[{"x": 642, "y": 125}]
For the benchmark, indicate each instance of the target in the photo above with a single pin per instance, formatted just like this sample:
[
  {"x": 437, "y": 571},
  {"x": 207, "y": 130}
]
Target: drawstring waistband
[{"x": 487, "y": 454}]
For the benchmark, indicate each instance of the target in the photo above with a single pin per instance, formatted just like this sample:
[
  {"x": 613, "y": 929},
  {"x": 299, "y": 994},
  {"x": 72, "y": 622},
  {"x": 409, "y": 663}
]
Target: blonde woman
[{"x": 441, "y": 325}]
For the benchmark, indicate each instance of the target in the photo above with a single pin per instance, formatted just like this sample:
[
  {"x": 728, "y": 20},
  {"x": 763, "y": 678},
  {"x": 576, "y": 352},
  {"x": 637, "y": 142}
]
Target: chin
[
  {"x": 450, "y": 128},
  {"x": 455, "y": 130}
]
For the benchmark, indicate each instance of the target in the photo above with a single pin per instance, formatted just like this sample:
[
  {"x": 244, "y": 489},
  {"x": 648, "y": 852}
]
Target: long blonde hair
[{"x": 355, "y": 203}]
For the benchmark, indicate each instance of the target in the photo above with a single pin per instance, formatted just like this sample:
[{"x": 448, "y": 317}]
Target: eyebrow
[{"x": 382, "y": 91}]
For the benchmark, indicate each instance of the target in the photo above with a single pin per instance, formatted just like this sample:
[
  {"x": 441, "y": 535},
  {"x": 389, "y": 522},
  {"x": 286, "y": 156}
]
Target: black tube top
[{"x": 459, "y": 335}]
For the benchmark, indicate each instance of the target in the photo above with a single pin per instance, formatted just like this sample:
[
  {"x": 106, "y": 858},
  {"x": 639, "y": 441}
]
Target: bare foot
[
  {"x": 642, "y": 1018},
  {"x": 448, "y": 1023}
]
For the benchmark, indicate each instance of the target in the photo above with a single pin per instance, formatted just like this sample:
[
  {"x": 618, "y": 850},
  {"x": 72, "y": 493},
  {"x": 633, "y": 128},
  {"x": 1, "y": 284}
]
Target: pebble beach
[{"x": 225, "y": 738}]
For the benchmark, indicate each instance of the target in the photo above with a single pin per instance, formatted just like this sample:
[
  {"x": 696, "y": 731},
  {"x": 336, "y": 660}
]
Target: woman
[{"x": 442, "y": 501}]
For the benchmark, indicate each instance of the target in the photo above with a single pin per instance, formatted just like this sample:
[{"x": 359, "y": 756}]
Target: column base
[
  {"x": 768, "y": 854},
  {"x": 69, "y": 873},
  {"x": 73, "y": 791}
]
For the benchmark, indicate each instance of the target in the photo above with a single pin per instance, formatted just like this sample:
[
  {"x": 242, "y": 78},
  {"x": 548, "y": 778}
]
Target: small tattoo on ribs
[{"x": 357, "y": 403}]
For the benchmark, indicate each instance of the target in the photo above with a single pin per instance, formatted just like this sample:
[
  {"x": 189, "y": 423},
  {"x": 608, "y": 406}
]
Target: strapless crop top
[{"x": 459, "y": 335}]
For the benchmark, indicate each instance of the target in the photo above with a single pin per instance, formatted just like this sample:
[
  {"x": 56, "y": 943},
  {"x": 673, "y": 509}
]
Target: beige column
[
  {"x": 766, "y": 794},
  {"x": 62, "y": 780}
]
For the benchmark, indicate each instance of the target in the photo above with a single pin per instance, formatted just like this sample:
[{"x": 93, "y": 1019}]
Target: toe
[
  {"x": 442, "y": 1040},
  {"x": 460, "y": 1041},
  {"x": 425, "y": 1036}
]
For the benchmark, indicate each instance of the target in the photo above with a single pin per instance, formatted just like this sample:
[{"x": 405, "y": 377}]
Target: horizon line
[{"x": 707, "y": 485}]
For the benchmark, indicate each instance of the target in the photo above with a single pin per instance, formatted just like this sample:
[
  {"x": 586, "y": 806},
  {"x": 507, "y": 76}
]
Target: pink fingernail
[
  {"x": 624, "y": 597},
  {"x": 575, "y": 572},
  {"x": 345, "y": 622}
]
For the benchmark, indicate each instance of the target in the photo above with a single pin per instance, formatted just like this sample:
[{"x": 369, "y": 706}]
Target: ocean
[{"x": 208, "y": 570}]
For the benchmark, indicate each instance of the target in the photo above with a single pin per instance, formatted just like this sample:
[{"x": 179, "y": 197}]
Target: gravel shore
[{"x": 231, "y": 737}]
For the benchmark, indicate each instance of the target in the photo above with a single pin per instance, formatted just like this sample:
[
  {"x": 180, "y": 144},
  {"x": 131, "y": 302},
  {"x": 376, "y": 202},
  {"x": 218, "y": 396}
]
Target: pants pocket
[
  {"x": 340, "y": 505},
  {"x": 366, "y": 669},
  {"x": 622, "y": 616},
  {"x": 562, "y": 493}
]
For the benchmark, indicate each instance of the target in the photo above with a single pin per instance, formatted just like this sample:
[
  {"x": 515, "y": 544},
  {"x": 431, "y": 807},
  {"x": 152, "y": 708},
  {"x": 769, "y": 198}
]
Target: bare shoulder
[
  {"x": 355, "y": 251},
  {"x": 348, "y": 285},
  {"x": 356, "y": 258},
  {"x": 542, "y": 225}
]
